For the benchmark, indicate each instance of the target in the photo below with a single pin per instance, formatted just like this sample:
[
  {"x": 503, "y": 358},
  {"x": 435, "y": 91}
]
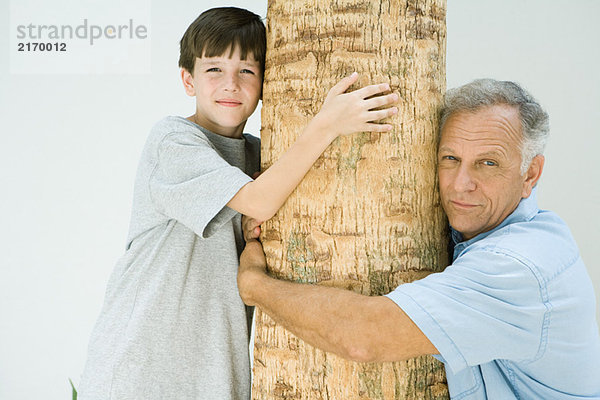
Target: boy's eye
[
  {"x": 247, "y": 71},
  {"x": 213, "y": 69}
]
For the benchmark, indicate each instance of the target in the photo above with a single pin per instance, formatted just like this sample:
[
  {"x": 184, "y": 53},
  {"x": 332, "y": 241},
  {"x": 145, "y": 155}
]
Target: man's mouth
[{"x": 462, "y": 205}]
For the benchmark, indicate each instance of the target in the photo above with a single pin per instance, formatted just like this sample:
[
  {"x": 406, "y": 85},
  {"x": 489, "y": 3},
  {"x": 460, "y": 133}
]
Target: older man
[{"x": 514, "y": 315}]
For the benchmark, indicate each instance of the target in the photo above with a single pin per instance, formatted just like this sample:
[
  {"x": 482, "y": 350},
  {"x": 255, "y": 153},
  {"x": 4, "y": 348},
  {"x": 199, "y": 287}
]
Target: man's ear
[
  {"x": 533, "y": 174},
  {"x": 188, "y": 82}
]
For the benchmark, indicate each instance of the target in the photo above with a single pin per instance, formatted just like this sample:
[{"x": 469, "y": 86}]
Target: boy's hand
[
  {"x": 250, "y": 228},
  {"x": 345, "y": 113}
]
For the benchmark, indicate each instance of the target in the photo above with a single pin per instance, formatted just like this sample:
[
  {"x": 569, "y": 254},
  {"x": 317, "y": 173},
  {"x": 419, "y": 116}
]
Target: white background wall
[{"x": 70, "y": 144}]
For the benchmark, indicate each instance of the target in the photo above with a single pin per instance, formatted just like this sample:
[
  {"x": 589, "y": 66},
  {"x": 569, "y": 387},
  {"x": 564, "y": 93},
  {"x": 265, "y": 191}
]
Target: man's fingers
[
  {"x": 251, "y": 228},
  {"x": 253, "y": 254},
  {"x": 253, "y": 234},
  {"x": 252, "y": 264}
]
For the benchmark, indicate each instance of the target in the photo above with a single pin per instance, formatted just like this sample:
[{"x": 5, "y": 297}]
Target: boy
[{"x": 173, "y": 325}]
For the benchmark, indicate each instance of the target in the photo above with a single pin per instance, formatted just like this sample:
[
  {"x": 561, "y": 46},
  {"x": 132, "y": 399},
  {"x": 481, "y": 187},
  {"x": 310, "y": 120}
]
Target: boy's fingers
[
  {"x": 372, "y": 90},
  {"x": 344, "y": 84},
  {"x": 373, "y": 127},
  {"x": 381, "y": 114},
  {"x": 380, "y": 101}
]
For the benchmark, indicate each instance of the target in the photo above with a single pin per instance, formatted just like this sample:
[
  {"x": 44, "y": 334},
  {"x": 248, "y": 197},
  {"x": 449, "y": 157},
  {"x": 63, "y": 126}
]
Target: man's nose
[{"x": 464, "y": 180}]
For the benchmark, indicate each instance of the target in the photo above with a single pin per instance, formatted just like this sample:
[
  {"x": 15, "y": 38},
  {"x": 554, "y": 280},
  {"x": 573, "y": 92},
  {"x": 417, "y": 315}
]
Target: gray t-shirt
[{"x": 173, "y": 325}]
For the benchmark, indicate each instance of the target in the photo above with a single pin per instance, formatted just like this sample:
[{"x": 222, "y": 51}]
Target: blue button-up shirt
[{"x": 514, "y": 315}]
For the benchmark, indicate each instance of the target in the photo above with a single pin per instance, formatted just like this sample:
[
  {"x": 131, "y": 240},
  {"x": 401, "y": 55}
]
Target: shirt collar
[{"x": 526, "y": 210}]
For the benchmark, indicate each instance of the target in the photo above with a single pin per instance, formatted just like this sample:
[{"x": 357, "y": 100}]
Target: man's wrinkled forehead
[
  {"x": 504, "y": 116},
  {"x": 493, "y": 132}
]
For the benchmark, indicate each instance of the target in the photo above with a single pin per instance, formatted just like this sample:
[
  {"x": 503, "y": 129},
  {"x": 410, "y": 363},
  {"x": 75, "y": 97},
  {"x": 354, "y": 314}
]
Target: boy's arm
[{"x": 341, "y": 114}]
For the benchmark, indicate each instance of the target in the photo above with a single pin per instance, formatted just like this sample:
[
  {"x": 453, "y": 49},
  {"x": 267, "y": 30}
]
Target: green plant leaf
[{"x": 74, "y": 391}]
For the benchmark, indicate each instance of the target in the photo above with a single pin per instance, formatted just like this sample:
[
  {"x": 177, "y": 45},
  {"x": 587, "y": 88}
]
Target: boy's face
[{"x": 227, "y": 91}]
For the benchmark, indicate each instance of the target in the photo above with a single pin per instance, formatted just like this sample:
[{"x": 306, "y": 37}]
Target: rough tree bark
[{"x": 367, "y": 217}]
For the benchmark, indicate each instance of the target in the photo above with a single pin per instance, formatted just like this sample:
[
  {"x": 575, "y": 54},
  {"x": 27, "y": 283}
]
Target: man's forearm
[
  {"x": 318, "y": 315},
  {"x": 351, "y": 325}
]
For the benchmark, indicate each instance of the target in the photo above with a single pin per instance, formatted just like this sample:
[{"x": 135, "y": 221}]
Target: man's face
[
  {"x": 479, "y": 162},
  {"x": 227, "y": 90}
]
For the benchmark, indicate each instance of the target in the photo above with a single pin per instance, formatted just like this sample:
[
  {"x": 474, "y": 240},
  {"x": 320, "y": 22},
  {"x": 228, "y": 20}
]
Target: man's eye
[
  {"x": 490, "y": 163},
  {"x": 450, "y": 158}
]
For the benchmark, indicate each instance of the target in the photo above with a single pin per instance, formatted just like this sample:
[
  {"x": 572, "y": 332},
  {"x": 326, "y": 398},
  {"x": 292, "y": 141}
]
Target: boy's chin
[{"x": 229, "y": 129}]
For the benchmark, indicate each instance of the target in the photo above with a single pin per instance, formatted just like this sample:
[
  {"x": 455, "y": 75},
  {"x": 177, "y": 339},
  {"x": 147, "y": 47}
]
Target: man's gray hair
[{"x": 488, "y": 92}]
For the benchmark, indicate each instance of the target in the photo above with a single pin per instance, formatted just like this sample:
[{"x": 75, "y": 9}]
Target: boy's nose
[{"x": 232, "y": 83}]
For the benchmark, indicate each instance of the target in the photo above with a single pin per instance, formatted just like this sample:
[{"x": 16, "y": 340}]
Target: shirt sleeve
[
  {"x": 485, "y": 306},
  {"x": 192, "y": 183}
]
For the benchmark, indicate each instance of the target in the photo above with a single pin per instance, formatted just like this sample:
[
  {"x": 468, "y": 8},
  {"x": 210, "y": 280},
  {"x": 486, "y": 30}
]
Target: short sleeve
[
  {"x": 192, "y": 183},
  {"x": 485, "y": 306}
]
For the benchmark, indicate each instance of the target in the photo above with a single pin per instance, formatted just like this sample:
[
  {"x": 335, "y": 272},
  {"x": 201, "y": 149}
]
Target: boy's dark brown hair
[{"x": 222, "y": 28}]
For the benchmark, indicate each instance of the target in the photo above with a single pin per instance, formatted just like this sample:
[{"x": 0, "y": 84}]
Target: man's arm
[
  {"x": 353, "y": 326},
  {"x": 341, "y": 114}
]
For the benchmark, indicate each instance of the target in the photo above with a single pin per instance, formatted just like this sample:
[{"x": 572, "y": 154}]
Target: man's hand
[
  {"x": 253, "y": 267},
  {"x": 250, "y": 228}
]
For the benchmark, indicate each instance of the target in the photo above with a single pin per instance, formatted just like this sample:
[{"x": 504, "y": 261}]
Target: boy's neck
[{"x": 234, "y": 133}]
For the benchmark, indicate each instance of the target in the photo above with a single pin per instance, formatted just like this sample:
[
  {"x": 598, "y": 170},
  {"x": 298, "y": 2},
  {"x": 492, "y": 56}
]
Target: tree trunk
[{"x": 367, "y": 217}]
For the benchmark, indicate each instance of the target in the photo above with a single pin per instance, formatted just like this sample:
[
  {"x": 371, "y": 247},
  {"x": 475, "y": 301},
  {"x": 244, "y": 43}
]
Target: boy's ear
[{"x": 188, "y": 82}]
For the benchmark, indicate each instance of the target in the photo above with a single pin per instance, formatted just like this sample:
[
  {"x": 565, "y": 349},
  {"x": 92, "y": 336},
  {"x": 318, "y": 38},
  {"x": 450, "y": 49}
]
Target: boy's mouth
[{"x": 229, "y": 102}]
